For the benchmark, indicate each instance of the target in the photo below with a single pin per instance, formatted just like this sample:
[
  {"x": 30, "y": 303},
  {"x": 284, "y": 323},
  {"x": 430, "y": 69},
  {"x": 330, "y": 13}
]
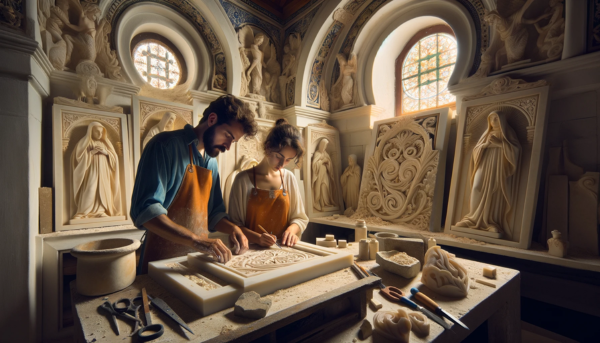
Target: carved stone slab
[
  {"x": 403, "y": 176},
  {"x": 322, "y": 171},
  {"x": 261, "y": 270},
  {"x": 522, "y": 121},
  {"x": 147, "y": 113},
  {"x": 79, "y": 171}
]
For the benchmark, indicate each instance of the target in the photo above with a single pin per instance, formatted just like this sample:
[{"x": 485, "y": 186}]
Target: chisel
[{"x": 432, "y": 305}]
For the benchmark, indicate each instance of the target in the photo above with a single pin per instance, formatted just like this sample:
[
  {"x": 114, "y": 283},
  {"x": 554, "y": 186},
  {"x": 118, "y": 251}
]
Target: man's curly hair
[{"x": 229, "y": 108}]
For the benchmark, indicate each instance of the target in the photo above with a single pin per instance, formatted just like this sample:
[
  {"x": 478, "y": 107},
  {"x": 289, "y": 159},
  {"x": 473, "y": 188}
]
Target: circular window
[
  {"x": 157, "y": 64},
  {"x": 426, "y": 71}
]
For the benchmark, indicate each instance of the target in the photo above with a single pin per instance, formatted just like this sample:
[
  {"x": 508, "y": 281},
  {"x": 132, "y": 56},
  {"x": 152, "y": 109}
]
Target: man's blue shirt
[{"x": 160, "y": 172}]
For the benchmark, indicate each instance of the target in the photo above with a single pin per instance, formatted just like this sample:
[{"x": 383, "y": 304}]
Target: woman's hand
[
  {"x": 290, "y": 235},
  {"x": 266, "y": 240},
  {"x": 238, "y": 241}
]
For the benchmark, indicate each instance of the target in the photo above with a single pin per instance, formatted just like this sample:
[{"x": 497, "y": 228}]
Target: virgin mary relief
[
  {"x": 323, "y": 185},
  {"x": 492, "y": 170},
  {"x": 95, "y": 170},
  {"x": 166, "y": 123}
]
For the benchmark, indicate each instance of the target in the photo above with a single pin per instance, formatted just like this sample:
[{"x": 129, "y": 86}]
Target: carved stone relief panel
[
  {"x": 403, "y": 177},
  {"x": 497, "y": 166},
  {"x": 92, "y": 170},
  {"x": 152, "y": 116},
  {"x": 322, "y": 171}
]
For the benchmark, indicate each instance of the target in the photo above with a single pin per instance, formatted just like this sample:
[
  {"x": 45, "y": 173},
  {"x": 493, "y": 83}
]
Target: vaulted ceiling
[{"x": 281, "y": 8}]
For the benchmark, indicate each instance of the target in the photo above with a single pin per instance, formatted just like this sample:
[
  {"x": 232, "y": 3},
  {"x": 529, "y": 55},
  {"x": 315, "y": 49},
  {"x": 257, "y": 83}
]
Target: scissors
[
  {"x": 129, "y": 306},
  {"x": 396, "y": 294},
  {"x": 150, "y": 331},
  {"x": 108, "y": 307}
]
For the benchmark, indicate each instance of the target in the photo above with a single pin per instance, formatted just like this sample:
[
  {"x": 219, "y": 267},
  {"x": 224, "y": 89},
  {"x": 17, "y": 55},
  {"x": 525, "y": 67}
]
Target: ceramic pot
[
  {"x": 105, "y": 266},
  {"x": 556, "y": 245},
  {"x": 381, "y": 236}
]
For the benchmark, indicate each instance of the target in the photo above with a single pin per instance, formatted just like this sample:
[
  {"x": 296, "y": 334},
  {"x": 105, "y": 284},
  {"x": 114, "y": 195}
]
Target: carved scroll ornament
[{"x": 401, "y": 175}]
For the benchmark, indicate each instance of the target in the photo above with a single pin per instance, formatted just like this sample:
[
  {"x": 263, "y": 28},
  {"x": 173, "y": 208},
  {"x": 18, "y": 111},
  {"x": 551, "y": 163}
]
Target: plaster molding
[
  {"x": 306, "y": 113},
  {"x": 548, "y": 71},
  {"x": 71, "y": 80},
  {"x": 42, "y": 60},
  {"x": 506, "y": 84},
  {"x": 17, "y": 42},
  {"x": 206, "y": 97},
  {"x": 369, "y": 110}
]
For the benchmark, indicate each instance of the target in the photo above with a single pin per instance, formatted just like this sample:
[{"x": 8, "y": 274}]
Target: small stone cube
[{"x": 489, "y": 272}]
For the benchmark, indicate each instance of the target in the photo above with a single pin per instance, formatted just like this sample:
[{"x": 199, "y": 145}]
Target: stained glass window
[
  {"x": 157, "y": 64},
  {"x": 426, "y": 71}
]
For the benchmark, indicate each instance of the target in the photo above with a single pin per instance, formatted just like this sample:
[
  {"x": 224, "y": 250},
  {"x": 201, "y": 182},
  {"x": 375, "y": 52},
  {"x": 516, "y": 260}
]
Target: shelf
[{"x": 591, "y": 263}]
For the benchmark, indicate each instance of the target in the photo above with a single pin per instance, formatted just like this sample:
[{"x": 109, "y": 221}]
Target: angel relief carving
[
  {"x": 73, "y": 32},
  {"x": 342, "y": 91},
  {"x": 261, "y": 70},
  {"x": 401, "y": 173}
]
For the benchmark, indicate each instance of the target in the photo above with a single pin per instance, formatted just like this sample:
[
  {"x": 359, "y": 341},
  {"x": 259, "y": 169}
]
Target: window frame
[
  {"x": 400, "y": 62},
  {"x": 152, "y": 37}
]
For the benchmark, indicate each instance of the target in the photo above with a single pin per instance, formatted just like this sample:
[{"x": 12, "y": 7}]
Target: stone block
[
  {"x": 414, "y": 247},
  {"x": 250, "y": 305}
]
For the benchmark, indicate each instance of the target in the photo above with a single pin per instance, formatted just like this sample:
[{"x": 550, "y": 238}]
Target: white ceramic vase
[
  {"x": 105, "y": 266},
  {"x": 556, "y": 245}
]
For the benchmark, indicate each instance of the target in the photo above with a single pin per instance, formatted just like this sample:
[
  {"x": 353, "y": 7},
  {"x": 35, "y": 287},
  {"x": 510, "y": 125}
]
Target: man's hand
[
  {"x": 290, "y": 235},
  {"x": 215, "y": 247},
  {"x": 238, "y": 241}
]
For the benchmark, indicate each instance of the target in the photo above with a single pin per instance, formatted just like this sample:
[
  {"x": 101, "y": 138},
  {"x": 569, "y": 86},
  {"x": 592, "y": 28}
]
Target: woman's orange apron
[
  {"x": 268, "y": 209},
  {"x": 188, "y": 209}
]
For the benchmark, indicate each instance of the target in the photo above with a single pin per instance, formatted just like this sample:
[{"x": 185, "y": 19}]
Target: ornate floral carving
[
  {"x": 254, "y": 262},
  {"x": 252, "y": 147},
  {"x": 400, "y": 176},
  {"x": 505, "y": 85},
  {"x": 69, "y": 121},
  {"x": 12, "y": 14},
  {"x": 59, "y": 100},
  {"x": 527, "y": 106}
]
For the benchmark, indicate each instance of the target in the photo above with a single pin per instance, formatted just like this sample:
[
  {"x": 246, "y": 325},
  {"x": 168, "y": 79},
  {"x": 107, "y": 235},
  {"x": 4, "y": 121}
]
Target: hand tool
[
  {"x": 162, "y": 305},
  {"x": 432, "y": 305},
  {"x": 265, "y": 231},
  {"x": 381, "y": 285},
  {"x": 107, "y": 306},
  {"x": 357, "y": 271},
  {"x": 396, "y": 294},
  {"x": 150, "y": 331},
  {"x": 128, "y": 306},
  {"x": 361, "y": 271}
]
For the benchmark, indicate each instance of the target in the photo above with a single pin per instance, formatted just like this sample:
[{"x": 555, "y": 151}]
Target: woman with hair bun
[{"x": 268, "y": 194}]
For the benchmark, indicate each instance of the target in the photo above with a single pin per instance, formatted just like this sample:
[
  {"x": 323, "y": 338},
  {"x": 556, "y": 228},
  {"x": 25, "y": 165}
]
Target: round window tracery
[
  {"x": 157, "y": 64},
  {"x": 426, "y": 71}
]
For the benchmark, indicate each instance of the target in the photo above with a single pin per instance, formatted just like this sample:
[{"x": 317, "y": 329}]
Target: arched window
[
  {"x": 157, "y": 61},
  {"x": 423, "y": 70}
]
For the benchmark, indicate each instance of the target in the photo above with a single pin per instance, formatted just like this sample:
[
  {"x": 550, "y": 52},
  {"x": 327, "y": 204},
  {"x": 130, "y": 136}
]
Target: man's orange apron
[
  {"x": 268, "y": 209},
  {"x": 188, "y": 209}
]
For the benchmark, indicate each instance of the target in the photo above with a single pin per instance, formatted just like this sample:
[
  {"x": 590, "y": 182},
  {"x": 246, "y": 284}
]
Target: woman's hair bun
[{"x": 281, "y": 121}]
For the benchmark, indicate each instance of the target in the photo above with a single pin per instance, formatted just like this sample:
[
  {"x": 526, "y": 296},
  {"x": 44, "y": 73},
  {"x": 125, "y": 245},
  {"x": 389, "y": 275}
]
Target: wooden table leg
[{"x": 505, "y": 324}]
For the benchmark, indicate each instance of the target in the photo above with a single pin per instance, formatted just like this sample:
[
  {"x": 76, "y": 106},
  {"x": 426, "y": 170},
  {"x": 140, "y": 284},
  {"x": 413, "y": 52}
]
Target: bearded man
[{"x": 177, "y": 195}]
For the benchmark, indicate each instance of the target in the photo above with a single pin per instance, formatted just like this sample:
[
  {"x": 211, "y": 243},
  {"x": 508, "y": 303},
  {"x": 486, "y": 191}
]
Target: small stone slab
[
  {"x": 323, "y": 242},
  {"x": 414, "y": 247},
  {"x": 250, "y": 305},
  {"x": 406, "y": 271},
  {"x": 365, "y": 330}
]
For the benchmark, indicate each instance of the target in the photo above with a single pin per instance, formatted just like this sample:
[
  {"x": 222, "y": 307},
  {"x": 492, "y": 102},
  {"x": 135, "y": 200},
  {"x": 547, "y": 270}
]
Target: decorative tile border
[
  {"x": 313, "y": 97},
  {"x": 239, "y": 17},
  {"x": 302, "y": 25}
]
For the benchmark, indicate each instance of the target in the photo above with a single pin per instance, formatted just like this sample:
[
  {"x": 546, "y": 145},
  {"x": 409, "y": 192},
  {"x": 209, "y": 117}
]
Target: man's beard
[{"x": 208, "y": 139}]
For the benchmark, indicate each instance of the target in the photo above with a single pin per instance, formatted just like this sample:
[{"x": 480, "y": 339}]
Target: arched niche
[
  {"x": 311, "y": 44},
  {"x": 155, "y": 18},
  {"x": 200, "y": 30},
  {"x": 412, "y": 17},
  {"x": 384, "y": 80}
]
